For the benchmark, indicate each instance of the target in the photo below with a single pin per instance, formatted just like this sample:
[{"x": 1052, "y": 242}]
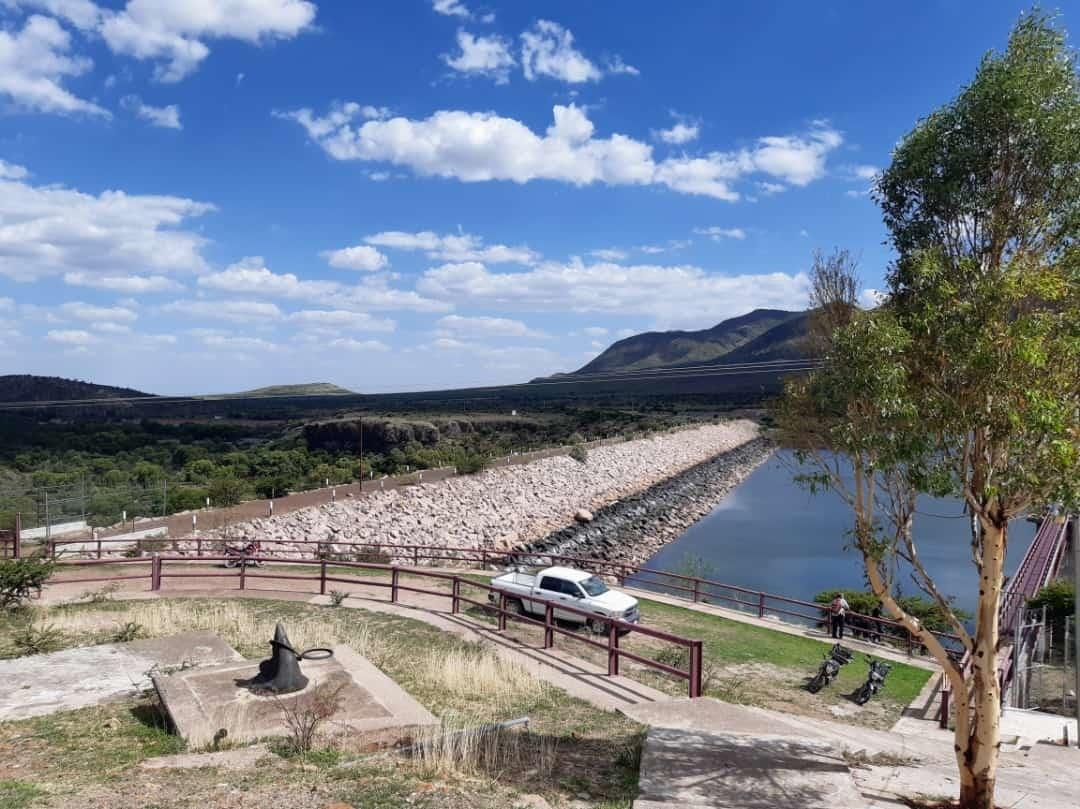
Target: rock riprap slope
[{"x": 501, "y": 508}]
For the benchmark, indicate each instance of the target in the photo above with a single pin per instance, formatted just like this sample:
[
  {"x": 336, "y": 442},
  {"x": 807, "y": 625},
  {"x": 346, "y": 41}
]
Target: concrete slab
[
  {"x": 737, "y": 771},
  {"x": 89, "y": 675},
  {"x": 212, "y": 703},
  {"x": 244, "y": 758}
]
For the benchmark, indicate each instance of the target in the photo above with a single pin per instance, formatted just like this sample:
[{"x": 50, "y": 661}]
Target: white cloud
[
  {"x": 165, "y": 117},
  {"x": 718, "y": 234},
  {"x": 457, "y": 325},
  {"x": 453, "y": 247},
  {"x": 71, "y": 337},
  {"x": 83, "y": 14},
  {"x": 622, "y": 334},
  {"x": 7, "y": 305},
  {"x": 595, "y": 331},
  {"x": 547, "y": 49},
  {"x": 865, "y": 172},
  {"x": 11, "y": 171},
  {"x": 361, "y": 257},
  {"x": 241, "y": 344},
  {"x": 679, "y": 134},
  {"x": 769, "y": 189},
  {"x": 451, "y": 8},
  {"x": 478, "y": 147},
  {"x": 232, "y": 311},
  {"x": 250, "y": 276},
  {"x": 531, "y": 359},
  {"x": 33, "y": 64},
  {"x": 50, "y": 230},
  {"x": 125, "y": 284},
  {"x": 482, "y": 56},
  {"x": 111, "y": 328},
  {"x": 610, "y": 254},
  {"x": 349, "y": 344},
  {"x": 86, "y": 311},
  {"x": 171, "y": 32},
  {"x": 333, "y": 320},
  {"x": 680, "y": 295},
  {"x": 616, "y": 66},
  {"x": 871, "y": 298}
]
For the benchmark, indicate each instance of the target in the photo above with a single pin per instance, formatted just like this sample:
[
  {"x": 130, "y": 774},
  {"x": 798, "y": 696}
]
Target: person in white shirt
[{"x": 837, "y": 610}]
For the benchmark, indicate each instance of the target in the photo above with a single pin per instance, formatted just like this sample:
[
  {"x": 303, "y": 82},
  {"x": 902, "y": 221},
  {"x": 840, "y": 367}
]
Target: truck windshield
[{"x": 593, "y": 586}]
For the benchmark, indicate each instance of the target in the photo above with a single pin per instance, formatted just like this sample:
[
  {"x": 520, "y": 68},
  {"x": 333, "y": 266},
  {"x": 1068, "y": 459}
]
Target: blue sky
[{"x": 206, "y": 197}]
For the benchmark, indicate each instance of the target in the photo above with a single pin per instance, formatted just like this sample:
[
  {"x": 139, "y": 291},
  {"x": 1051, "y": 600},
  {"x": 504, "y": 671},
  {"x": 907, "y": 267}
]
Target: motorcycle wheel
[
  {"x": 819, "y": 682},
  {"x": 231, "y": 563},
  {"x": 862, "y": 696}
]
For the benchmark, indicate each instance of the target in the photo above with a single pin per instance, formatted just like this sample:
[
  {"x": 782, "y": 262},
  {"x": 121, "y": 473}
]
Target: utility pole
[{"x": 1076, "y": 619}]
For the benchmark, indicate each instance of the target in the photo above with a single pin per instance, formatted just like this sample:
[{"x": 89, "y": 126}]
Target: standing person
[
  {"x": 837, "y": 610},
  {"x": 875, "y": 636}
]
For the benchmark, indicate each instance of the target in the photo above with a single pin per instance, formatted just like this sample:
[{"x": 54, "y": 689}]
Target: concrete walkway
[{"x": 706, "y": 753}]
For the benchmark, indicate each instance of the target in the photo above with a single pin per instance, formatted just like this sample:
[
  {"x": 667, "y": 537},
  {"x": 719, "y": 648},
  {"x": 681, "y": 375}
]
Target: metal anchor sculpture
[{"x": 280, "y": 674}]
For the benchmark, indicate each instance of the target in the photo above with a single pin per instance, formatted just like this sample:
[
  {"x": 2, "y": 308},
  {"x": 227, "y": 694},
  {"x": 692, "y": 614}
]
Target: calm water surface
[{"x": 771, "y": 534}]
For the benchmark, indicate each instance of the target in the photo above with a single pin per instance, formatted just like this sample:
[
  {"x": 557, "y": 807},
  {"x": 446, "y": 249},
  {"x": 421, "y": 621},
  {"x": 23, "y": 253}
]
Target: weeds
[
  {"x": 35, "y": 638},
  {"x": 102, "y": 594},
  {"x": 127, "y": 632},
  {"x": 306, "y": 713},
  {"x": 337, "y": 597}
]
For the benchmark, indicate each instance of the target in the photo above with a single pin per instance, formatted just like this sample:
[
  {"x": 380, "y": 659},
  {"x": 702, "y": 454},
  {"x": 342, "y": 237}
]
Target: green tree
[{"x": 964, "y": 382}]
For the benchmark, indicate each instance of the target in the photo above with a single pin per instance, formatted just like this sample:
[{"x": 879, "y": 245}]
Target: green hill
[
  {"x": 306, "y": 389},
  {"x": 30, "y": 388},
  {"x": 756, "y": 336}
]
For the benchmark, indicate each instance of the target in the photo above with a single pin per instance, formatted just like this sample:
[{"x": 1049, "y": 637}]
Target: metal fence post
[
  {"x": 243, "y": 572},
  {"x": 416, "y": 556},
  {"x": 322, "y": 577},
  {"x": 155, "y": 573},
  {"x": 695, "y": 669},
  {"x": 549, "y": 626},
  {"x": 612, "y": 650},
  {"x": 394, "y": 585},
  {"x": 198, "y": 546},
  {"x": 943, "y": 717},
  {"x": 697, "y": 591},
  {"x": 454, "y": 606},
  {"x": 17, "y": 547},
  {"x": 761, "y": 605},
  {"x": 502, "y": 612}
]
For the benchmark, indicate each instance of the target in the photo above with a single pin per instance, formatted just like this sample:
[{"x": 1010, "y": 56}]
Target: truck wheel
[
  {"x": 517, "y": 605},
  {"x": 597, "y": 626}
]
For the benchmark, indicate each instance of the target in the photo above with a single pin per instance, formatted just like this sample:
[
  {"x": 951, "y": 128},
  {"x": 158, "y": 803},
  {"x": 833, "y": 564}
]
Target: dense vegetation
[
  {"x": 927, "y": 611},
  {"x": 27, "y": 388},
  {"x": 106, "y": 468}
]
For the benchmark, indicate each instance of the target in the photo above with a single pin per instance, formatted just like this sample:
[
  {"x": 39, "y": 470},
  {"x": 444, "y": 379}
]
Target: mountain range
[{"x": 760, "y": 336}]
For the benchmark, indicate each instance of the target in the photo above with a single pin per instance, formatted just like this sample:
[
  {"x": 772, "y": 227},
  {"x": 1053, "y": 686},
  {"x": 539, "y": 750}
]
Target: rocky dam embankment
[{"x": 518, "y": 506}]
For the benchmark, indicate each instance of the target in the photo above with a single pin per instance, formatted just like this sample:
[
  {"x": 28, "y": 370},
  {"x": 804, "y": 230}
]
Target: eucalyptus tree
[{"x": 967, "y": 380}]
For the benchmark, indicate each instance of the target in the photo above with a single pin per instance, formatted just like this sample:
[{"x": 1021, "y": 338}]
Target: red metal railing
[
  {"x": 244, "y": 572},
  {"x": 692, "y": 588}
]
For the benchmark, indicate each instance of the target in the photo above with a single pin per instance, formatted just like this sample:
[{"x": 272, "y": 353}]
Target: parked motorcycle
[
  {"x": 875, "y": 681},
  {"x": 242, "y": 556},
  {"x": 838, "y": 656}
]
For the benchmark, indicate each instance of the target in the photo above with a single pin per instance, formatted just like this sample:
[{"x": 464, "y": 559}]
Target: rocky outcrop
[{"x": 504, "y": 508}]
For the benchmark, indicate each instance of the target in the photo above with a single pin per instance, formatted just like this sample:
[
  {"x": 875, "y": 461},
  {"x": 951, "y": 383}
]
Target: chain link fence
[{"x": 1045, "y": 664}]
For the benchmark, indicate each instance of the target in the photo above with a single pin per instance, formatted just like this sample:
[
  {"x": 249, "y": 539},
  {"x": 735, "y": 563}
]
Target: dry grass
[
  {"x": 466, "y": 671},
  {"x": 244, "y": 629},
  {"x": 484, "y": 750}
]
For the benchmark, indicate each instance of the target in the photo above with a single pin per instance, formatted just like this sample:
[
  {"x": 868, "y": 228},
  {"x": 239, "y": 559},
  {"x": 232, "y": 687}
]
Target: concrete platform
[
  {"x": 89, "y": 675},
  {"x": 212, "y": 703},
  {"x": 729, "y": 771}
]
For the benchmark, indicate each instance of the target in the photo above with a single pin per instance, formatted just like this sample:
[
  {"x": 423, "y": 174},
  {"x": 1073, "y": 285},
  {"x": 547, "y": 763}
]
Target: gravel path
[{"x": 504, "y": 508}]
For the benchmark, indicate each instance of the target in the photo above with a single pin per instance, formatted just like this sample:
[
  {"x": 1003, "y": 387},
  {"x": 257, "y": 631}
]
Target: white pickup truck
[{"x": 575, "y": 588}]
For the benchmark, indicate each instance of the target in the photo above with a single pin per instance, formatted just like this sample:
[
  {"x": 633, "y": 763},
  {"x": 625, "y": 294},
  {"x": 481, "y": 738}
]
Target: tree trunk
[{"x": 977, "y": 754}]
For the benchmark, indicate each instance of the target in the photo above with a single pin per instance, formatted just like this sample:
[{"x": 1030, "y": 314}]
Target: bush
[
  {"x": 21, "y": 577},
  {"x": 927, "y": 611},
  {"x": 32, "y": 638},
  {"x": 225, "y": 491},
  {"x": 579, "y": 453},
  {"x": 1059, "y": 598}
]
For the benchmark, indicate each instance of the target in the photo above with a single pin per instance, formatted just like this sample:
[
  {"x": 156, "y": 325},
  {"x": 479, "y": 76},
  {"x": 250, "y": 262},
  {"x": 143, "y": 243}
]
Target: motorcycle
[
  {"x": 875, "y": 681},
  {"x": 240, "y": 556},
  {"x": 838, "y": 656}
]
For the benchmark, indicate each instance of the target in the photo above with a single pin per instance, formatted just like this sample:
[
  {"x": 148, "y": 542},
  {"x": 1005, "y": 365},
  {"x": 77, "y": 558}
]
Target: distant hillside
[
  {"x": 307, "y": 389},
  {"x": 760, "y": 335},
  {"x": 29, "y": 388}
]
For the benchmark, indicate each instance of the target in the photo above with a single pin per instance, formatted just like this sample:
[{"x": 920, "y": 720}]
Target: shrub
[
  {"x": 579, "y": 453},
  {"x": 225, "y": 491},
  {"x": 21, "y": 577},
  {"x": 32, "y": 638},
  {"x": 337, "y": 597},
  {"x": 127, "y": 632},
  {"x": 303, "y": 715}
]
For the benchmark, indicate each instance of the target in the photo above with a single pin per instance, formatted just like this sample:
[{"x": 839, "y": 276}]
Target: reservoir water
[{"x": 771, "y": 534}]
